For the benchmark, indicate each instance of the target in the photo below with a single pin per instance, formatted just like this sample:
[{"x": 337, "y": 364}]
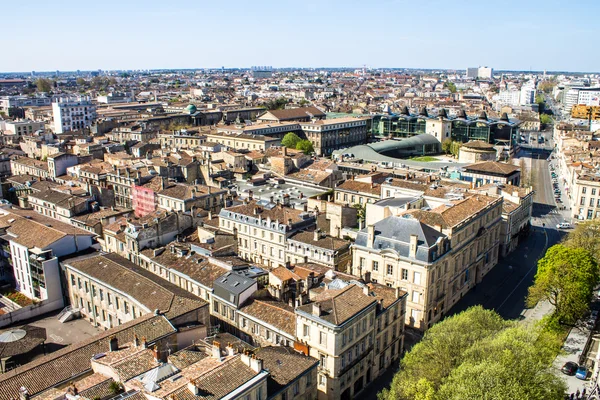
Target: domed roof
[{"x": 190, "y": 109}]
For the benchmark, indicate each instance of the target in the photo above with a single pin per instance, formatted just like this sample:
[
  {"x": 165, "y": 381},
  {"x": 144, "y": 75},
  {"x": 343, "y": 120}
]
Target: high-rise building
[
  {"x": 73, "y": 113},
  {"x": 480, "y": 73}
]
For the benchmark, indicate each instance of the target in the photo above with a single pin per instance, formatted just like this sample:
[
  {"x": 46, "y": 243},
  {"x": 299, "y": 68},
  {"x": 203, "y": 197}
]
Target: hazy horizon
[{"x": 135, "y": 35}]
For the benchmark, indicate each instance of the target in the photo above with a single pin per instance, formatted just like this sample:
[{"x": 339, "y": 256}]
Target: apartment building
[
  {"x": 243, "y": 141},
  {"x": 300, "y": 114},
  {"x": 262, "y": 231},
  {"x": 73, "y": 113},
  {"x": 58, "y": 205},
  {"x": 318, "y": 247},
  {"x": 182, "y": 197},
  {"x": 20, "y": 128},
  {"x": 29, "y": 166},
  {"x": 341, "y": 328},
  {"x": 110, "y": 290},
  {"x": 585, "y": 196},
  {"x": 436, "y": 256},
  {"x": 32, "y": 244},
  {"x": 328, "y": 135}
]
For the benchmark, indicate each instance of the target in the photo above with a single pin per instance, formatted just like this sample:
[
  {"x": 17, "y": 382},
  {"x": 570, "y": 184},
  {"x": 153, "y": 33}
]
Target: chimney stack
[
  {"x": 230, "y": 350},
  {"x": 216, "y": 351},
  {"x": 316, "y": 235},
  {"x": 193, "y": 388},
  {"x": 414, "y": 239},
  {"x": 136, "y": 340},
  {"x": 316, "y": 309},
  {"x": 370, "y": 235}
]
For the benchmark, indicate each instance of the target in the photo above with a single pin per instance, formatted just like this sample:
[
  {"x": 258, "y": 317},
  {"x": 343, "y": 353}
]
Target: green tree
[
  {"x": 361, "y": 212},
  {"x": 478, "y": 355},
  {"x": 43, "y": 85},
  {"x": 305, "y": 146},
  {"x": 81, "y": 82},
  {"x": 290, "y": 140},
  {"x": 586, "y": 235},
  {"x": 545, "y": 119},
  {"x": 455, "y": 148},
  {"x": 566, "y": 278},
  {"x": 539, "y": 99},
  {"x": 447, "y": 146},
  {"x": 451, "y": 86}
]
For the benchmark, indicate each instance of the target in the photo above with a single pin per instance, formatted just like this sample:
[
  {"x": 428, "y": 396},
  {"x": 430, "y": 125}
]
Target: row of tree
[{"x": 293, "y": 141}]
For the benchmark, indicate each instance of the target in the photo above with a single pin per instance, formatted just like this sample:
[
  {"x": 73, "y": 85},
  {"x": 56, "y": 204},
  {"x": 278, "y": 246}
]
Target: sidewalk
[{"x": 571, "y": 351}]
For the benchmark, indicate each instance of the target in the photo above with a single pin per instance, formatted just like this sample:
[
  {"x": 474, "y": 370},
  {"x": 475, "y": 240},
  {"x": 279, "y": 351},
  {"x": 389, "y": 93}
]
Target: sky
[{"x": 553, "y": 35}]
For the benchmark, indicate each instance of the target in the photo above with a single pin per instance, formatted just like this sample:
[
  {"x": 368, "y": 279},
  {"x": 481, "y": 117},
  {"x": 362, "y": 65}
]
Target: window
[
  {"x": 390, "y": 269},
  {"x": 593, "y": 191},
  {"x": 582, "y": 203},
  {"x": 583, "y": 190},
  {"x": 101, "y": 294},
  {"x": 296, "y": 388},
  {"x": 306, "y": 330},
  {"x": 72, "y": 280},
  {"x": 415, "y": 297},
  {"x": 592, "y": 201},
  {"x": 375, "y": 265},
  {"x": 417, "y": 278},
  {"x": 322, "y": 380},
  {"x": 404, "y": 274},
  {"x": 322, "y": 360},
  {"x": 361, "y": 262},
  {"x": 323, "y": 338}
]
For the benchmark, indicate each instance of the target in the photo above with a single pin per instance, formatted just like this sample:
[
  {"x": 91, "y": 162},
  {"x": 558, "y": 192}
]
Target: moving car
[
  {"x": 564, "y": 225},
  {"x": 581, "y": 373},
  {"x": 570, "y": 368}
]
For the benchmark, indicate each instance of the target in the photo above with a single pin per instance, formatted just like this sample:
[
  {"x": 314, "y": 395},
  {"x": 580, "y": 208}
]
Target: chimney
[
  {"x": 23, "y": 394},
  {"x": 286, "y": 199},
  {"x": 144, "y": 344},
  {"x": 316, "y": 309},
  {"x": 289, "y": 222},
  {"x": 209, "y": 215},
  {"x": 414, "y": 239},
  {"x": 366, "y": 290},
  {"x": 316, "y": 235},
  {"x": 256, "y": 210},
  {"x": 157, "y": 353},
  {"x": 284, "y": 151},
  {"x": 163, "y": 182},
  {"x": 216, "y": 351},
  {"x": 230, "y": 350},
  {"x": 193, "y": 388},
  {"x": 136, "y": 340},
  {"x": 397, "y": 292},
  {"x": 113, "y": 343},
  {"x": 370, "y": 235},
  {"x": 250, "y": 194},
  {"x": 271, "y": 199}
]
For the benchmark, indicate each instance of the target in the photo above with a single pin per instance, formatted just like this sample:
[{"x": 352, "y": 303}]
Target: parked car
[
  {"x": 582, "y": 373},
  {"x": 570, "y": 368},
  {"x": 564, "y": 225},
  {"x": 558, "y": 200}
]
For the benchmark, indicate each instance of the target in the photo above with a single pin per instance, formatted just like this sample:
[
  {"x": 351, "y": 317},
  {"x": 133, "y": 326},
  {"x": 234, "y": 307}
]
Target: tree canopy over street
[
  {"x": 566, "y": 278},
  {"x": 478, "y": 355}
]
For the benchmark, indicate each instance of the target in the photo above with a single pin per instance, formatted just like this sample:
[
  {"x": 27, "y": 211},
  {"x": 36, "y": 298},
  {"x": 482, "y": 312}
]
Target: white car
[{"x": 564, "y": 225}]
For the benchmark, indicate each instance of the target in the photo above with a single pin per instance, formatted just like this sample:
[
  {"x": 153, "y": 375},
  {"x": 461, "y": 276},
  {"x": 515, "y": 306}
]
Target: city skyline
[{"x": 153, "y": 35}]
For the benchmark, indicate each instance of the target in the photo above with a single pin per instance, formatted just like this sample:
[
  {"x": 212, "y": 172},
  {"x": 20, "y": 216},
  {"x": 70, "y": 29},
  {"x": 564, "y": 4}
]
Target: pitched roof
[
  {"x": 296, "y": 113},
  {"x": 218, "y": 382},
  {"x": 284, "y": 365},
  {"x": 339, "y": 305},
  {"x": 147, "y": 288},
  {"x": 275, "y": 313},
  {"x": 492, "y": 167},
  {"x": 73, "y": 360}
]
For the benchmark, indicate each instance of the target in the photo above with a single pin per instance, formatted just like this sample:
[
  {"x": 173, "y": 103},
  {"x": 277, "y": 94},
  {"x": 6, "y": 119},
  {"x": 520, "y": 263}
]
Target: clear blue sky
[{"x": 44, "y": 35}]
